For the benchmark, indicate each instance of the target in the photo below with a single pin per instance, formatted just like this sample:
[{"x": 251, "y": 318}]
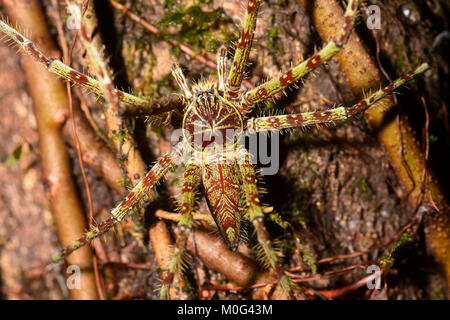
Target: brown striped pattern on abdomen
[{"x": 223, "y": 193}]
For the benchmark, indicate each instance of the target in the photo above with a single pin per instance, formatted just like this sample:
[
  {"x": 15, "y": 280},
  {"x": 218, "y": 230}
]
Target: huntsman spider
[{"x": 211, "y": 110}]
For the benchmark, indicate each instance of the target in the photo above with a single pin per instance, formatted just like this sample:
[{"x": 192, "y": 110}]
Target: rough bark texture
[{"x": 396, "y": 135}]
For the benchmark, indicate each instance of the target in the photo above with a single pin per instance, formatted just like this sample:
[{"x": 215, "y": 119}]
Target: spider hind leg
[
  {"x": 191, "y": 180},
  {"x": 256, "y": 216}
]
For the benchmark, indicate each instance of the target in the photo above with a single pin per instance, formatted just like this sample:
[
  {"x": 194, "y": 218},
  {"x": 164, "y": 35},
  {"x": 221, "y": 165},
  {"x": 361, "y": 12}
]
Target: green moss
[
  {"x": 17, "y": 155},
  {"x": 196, "y": 25},
  {"x": 275, "y": 217},
  {"x": 363, "y": 185},
  {"x": 433, "y": 138},
  {"x": 438, "y": 294},
  {"x": 360, "y": 184},
  {"x": 306, "y": 255},
  {"x": 399, "y": 49},
  {"x": 309, "y": 260},
  {"x": 274, "y": 40},
  {"x": 121, "y": 136},
  {"x": 300, "y": 211},
  {"x": 388, "y": 260}
]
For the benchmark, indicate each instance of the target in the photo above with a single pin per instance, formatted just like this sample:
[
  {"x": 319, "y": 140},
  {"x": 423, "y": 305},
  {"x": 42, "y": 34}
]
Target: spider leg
[
  {"x": 221, "y": 68},
  {"x": 236, "y": 74},
  {"x": 330, "y": 115},
  {"x": 256, "y": 217},
  {"x": 132, "y": 202},
  {"x": 155, "y": 107},
  {"x": 187, "y": 207},
  {"x": 132, "y": 104},
  {"x": 178, "y": 74},
  {"x": 102, "y": 71},
  {"x": 271, "y": 87}
]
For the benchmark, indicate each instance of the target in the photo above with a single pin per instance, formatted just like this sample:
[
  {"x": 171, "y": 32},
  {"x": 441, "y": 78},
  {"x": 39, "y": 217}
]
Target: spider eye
[{"x": 211, "y": 91}]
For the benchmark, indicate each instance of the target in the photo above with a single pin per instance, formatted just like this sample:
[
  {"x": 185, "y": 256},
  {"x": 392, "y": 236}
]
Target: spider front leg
[
  {"x": 330, "y": 115},
  {"x": 187, "y": 207},
  {"x": 221, "y": 68},
  {"x": 132, "y": 105},
  {"x": 256, "y": 217},
  {"x": 132, "y": 202},
  {"x": 270, "y": 88},
  {"x": 240, "y": 59}
]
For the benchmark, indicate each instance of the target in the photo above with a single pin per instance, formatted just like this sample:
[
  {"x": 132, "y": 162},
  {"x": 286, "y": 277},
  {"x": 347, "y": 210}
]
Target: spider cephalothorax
[
  {"x": 213, "y": 126},
  {"x": 211, "y": 123}
]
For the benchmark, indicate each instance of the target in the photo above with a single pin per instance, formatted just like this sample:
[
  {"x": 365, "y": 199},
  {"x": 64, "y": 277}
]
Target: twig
[
  {"x": 176, "y": 216},
  {"x": 173, "y": 216},
  {"x": 67, "y": 54},
  {"x": 335, "y": 293},
  {"x": 134, "y": 295},
  {"x": 330, "y": 274},
  {"x": 235, "y": 266},
  {"x": 135, "y": 266}
]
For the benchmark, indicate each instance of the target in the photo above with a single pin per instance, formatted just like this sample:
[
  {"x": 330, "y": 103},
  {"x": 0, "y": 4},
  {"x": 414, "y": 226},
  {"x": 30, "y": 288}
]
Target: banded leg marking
[
  {"x": 256, "y": 216},
  {"x": 131, "y": 202},
  {"x": 187, "y": 207},
  {"x": 270, "y": 88},
  {"x": 380, "y": 94},
  {"x": 243, "y": 49},
  {"x": 64, "y": 71},
  {"x": 222, "y": 67},
  {"x": 331, "y": 115}
]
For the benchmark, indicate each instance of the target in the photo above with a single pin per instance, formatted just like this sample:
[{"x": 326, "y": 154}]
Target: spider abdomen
[{"x": 223, "y": 194}]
